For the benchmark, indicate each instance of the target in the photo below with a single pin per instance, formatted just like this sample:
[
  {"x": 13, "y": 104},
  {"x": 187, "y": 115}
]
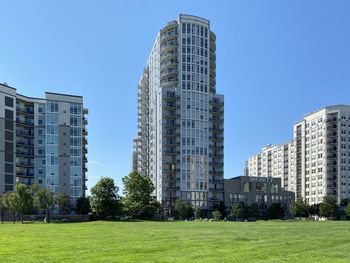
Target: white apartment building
[
  {"x": 43, "y": 141},
  {"x": 180, "y": 116},
  {"x": 317, "y": 162}
]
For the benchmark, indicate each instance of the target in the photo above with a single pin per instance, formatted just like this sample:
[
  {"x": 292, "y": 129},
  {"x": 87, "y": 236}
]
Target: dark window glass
[
  {"x": 8, "y": 136},
  {"x": 9, "y": 125},
  {"x": 8, "y": 179},
  {"x": 8, "y": 101},
  {"x": 9, "y": 157},
  {"x": 8, "y": 147},
  {"x": 8, "y": 188},
  {"x": 8, "y": 168},
  {"x": 9, "y": 114}
]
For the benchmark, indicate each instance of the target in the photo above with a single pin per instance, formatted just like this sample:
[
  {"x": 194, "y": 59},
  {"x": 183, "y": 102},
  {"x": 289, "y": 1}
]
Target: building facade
[
  {"x": 318, "y": 157},
  {"x": 262, "y": 191},
  {"x": 43, "y": 141},
  {"x": 180, "y": 116}
]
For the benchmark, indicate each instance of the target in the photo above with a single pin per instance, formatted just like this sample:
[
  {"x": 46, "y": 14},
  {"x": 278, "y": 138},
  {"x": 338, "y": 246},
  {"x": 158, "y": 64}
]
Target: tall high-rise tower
[{"x": 181, "y": 118}]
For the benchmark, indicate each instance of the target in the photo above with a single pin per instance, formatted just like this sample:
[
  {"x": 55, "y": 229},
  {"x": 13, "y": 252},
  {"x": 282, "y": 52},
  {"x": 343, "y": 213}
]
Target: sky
[{"x": 276, "y": 61}]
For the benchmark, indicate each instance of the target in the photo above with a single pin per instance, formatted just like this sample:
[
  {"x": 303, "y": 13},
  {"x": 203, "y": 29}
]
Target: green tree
[
  {"x": 82, "y": 206},
  {"x": 238, "y": 211},
  {"x": 329, "y": 206},
  {"x": 275, "y": 211},
  {"x": 344, "y": 202},
  {"x": 3, "y": 206},
  {"x": 64, "y": 204},
  {"x": 139, "y": 200},
  {"x": 315, "y": 209},
  {"x": 197, "y": 213},
  {"x": 182, "y": 209},
  {"x": 220, "y": 206},
  {"x": 216, "y": 214},
  {"x": 347, "y": 210},
  {"x": 104, "y": 198},
  {"x": 299, "y": 208},
  {"x": 44, "y": 200},
  {"x": 253, "y": 211},
  {"x": 21, "y": 201}
]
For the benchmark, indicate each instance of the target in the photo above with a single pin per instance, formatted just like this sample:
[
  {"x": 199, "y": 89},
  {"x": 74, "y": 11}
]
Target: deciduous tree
[
  {"x": 275, "y": 211},
  {"x": 329, "y": 206},
  {"x": 43, "y": 200},
  {"x": 104, "y": 198},
  {"x": 182, "y": 209},
  {"x": 21, "y": 201},
  {"x": 238, "y": 211},
  {"x": 299, "y": 208},
  {"x": 64, "y": 204},
  {"x": 347, "y": 210},
  {"x": 139, "y": 200},
  {"x": 82, "y": 206},
  {"x": 216, "y": 215}
]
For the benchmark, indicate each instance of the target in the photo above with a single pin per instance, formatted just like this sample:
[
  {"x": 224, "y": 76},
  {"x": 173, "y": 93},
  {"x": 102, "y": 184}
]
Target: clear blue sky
[{"x": 276, "y": 61}]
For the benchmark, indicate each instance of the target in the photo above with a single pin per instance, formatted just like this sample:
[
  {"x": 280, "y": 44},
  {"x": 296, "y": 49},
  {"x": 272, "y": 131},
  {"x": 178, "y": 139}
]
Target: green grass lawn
[{"x": 176, "y": 242}]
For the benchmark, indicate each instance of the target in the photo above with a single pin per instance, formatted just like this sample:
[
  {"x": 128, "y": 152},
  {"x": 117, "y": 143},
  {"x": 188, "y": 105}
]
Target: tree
[
  {"x": 253, "y": 211},
  {"x": 299, "y": 208},
  {"x": 197, "y": 213},
  {"x": 139, "y": 200},
  {"x": 104, "y": 199},
  {"x": 43, "y": 200},
  {"x": 21, "y": 201},
  {"x": 182, "y": 209},
  {"x": 220, "y": 206},
  {"x": 275, "y": 211},
  {"x": 82, "y": 206},
  {"x": 3, "y": 206},
  {"x": 344, "y": 202},
  {"x": 216, "y": 215},
  {"x": 64, "y": 204},
  {"x": 315, "y": 209},
  {"x": 347, "y": 210},
  {"x": 329, "y": 206},
  {"x": 238, "y": 210}
]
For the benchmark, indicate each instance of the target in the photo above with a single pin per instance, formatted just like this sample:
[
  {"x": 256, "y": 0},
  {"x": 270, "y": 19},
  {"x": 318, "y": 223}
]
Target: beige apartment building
[{"x": 316, "y": 162}]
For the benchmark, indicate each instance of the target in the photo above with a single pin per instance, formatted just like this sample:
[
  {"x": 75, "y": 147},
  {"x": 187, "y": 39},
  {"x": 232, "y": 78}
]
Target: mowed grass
[{"x": 176, "y": 242}]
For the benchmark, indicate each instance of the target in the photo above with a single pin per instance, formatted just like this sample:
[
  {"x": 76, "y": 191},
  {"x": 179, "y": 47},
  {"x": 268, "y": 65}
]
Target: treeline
[
  {"x": 36, "y": 199},
  {"x": 104, "y": 203},
  {"x": 328, "y": 208},
  {"x": 139, "y": 202}
]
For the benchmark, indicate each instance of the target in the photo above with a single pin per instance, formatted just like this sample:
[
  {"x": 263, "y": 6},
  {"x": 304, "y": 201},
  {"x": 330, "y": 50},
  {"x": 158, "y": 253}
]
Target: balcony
[
  {"x": 24, "y": 143},
  {"x": 216, "y": 111},
  {"x": 171, "y": 105},
  {"x": 24, "y": 174},
  {"x": 25, "y": 122},
  {"x": 25, "y": 133},
  {"x": 168, "y": 72},
  {"x": 216, "y": 147},
  {"x": 172, "y": 188},
  {"x": 24, "y": 153},
  {"x": 26, "y": 110},
  {"x": 171, "y": 125},
  {"x": 216, "y": 138},
  {"x": 25, "y": 164}
]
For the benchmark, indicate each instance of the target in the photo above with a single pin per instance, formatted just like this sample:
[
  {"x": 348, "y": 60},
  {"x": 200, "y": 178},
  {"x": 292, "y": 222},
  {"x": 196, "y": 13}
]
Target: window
[{"x": 8, "y": 101}]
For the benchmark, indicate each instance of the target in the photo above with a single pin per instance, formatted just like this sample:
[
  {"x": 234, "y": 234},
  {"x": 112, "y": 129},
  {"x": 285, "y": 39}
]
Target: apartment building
[
  {"x": 318, "y": 158},
  {"x": 273, "y": 161},
  {"x": 181, "y": 117},
  {"x": 43, "y": 141}
]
